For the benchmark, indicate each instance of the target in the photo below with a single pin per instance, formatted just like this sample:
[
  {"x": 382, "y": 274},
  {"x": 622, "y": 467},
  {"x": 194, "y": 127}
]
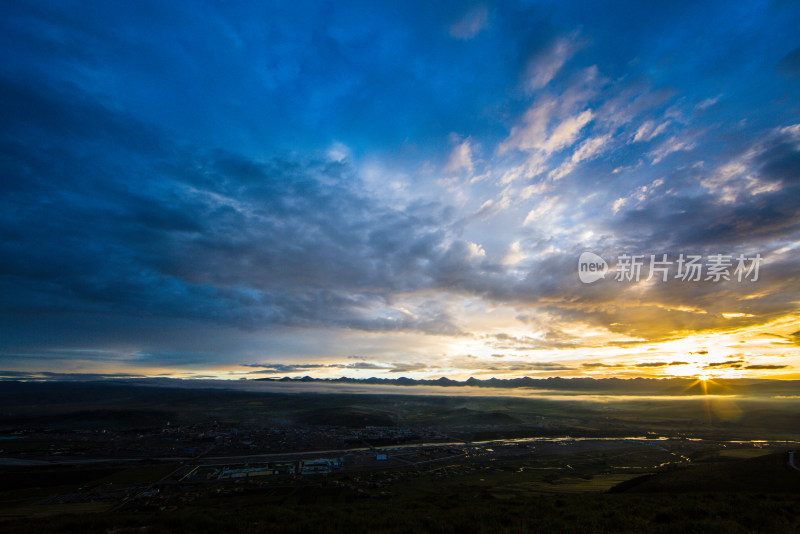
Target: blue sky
[{"x": 206, "y": 189}]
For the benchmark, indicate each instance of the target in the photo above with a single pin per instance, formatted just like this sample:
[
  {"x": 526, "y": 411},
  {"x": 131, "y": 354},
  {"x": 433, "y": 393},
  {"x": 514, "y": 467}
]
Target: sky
[{"x": 266, "y": 189}]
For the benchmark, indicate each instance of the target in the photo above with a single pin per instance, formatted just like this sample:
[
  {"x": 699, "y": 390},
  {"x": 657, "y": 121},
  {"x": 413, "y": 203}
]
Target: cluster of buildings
[{"x": 222, "y": 438}]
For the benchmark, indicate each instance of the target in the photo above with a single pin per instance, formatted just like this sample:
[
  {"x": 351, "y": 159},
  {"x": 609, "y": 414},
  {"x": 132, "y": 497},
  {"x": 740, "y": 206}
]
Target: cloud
[
  {"x": 659, "y": 364},
  {"x": 566, "y": 132},
  {"x": 649, "y": 130},
  {"x": 734, "y": 364},
  {"x": 768, "y": 165},
  {"x": 779, "y": 157},
  {"x": 547, "y": 208},
  {"x": 265, "y": 182},
  {"x": 544, "y": 65},
  {"x": 365, "y": 365},
  {"x": 707, "y": 103},
  {"x": 407, "y": 367},
  {"x": 460, "y": 158},
  {"x": 212, "y": 236},
  {"x": 471, "y": 24},
  {"x": 546, "y": 338},
  {"x": 281, "y": 368},
  {"x": 514, "y": 254},
  {"x": 78, "y": 377},
  {"x": 671, "y": 145},
  {"x": 522, "y": 366},
  {"x": 589, "y": 149},
  {"x": 549, "y": 125}
]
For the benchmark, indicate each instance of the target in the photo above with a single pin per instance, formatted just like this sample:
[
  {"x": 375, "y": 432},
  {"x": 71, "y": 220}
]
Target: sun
[{"x": 704, "y": 380}]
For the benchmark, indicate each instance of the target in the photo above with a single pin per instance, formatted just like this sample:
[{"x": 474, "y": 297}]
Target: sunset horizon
[{"x": 469, "y": 190}]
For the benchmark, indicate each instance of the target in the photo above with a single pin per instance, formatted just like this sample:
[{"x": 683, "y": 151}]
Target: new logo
[{"x": 591, "y": 267}]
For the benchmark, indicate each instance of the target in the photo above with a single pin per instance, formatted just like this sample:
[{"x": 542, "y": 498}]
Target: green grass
[
  {"x": 744, "y": 453},
  {"x": 504, "y": 497},
  {"x": 138, "y": 475},
  {"x": 766, "y": 473},
  {"x": 33, "y": 511},
  {"x": 460, "y": 513}
]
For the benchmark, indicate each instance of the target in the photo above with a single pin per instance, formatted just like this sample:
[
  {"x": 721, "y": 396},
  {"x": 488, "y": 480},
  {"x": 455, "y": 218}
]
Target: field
[
  {"x": 491, "y": 501},
  {"x": 121, "y": 458}
]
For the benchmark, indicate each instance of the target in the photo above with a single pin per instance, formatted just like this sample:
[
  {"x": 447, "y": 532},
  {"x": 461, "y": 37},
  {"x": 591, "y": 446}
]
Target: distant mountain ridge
[{"x": 637, "y": 386}]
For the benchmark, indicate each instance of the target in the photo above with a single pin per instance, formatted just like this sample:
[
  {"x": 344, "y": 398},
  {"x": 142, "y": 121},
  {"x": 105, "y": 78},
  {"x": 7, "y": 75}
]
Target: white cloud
[
  {"x": 648, "y": 131},
  {"x": 562, "y": 170},
  {"x": 475, "y": 250},
  {"x": 492, "y": 207},
  {"x": 566, "y": 132},
  {"x": 638, "y": 195},
  {"x": 673, "y": 144},
  {"x": 544, "y": 66},
  {"x": 460, "y": 158},
  {"x": 741, "y": 175},
  {"x": 544, "y": 127},
  {"x": 534, "y": 165},
  {"x": 535, "y": 189},
  {"x": 793, "y": 131},
  {"x": 533, "y": 129},
  {"x": 471, "y": 24},
  {"x": 588, "y": 149},
  {"x": 550, "y": 124},
  {"x": 339, "y": 152},
  {"x": 548, "y": 207},
  {"x": 707, "y": 103},
  {"x": 514, "y": 255}
]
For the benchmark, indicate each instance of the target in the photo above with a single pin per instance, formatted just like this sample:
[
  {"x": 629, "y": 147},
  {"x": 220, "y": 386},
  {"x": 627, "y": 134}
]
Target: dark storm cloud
[
  {"x": 703, "y": 222},
  {"x": 158, "y": 228},
  {"x": 754, "y": 202},
  {"x": 781, "y": 161}
]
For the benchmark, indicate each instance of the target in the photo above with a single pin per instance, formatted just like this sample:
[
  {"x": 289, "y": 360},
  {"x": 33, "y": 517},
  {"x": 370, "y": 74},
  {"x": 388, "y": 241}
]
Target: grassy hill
[{"x": 764, "y": 474}]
